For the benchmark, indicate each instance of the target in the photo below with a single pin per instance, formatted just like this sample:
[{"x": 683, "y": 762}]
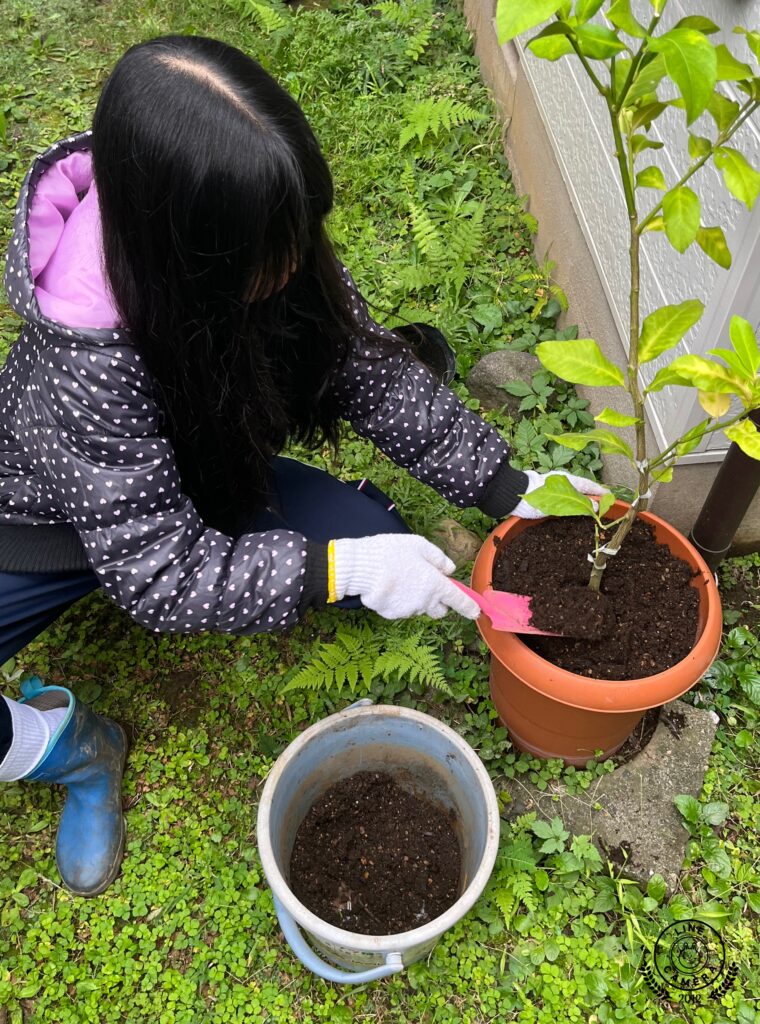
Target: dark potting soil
[
  {"x": 643, "y": 621},
  {"x": 372, "y": 858}
]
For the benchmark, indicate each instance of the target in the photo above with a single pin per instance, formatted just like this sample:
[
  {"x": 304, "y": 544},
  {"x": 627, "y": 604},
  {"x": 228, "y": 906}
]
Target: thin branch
[
  {"x": 635, "y": 63},
  {"x": 601, "y": 89},
  {"x": 744, "y": 114},
  {"x": 721, "y": 425}
]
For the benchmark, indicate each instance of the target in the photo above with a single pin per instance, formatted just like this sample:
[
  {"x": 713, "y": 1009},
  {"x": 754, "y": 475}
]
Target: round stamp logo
[{"x": 690, "y": 955}]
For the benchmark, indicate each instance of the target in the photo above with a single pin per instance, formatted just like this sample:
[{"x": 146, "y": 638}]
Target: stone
[
  {"x": 487, "y": 378},
  {"x": 630, "y": 813},
  {"x": 460, "y": 544}
]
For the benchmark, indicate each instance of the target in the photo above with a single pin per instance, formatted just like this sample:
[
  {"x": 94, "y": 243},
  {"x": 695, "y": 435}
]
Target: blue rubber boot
[{"x": 87, "y": 755}]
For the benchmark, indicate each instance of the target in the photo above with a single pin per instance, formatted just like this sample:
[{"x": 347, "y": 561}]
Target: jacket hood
[{"x": 54, "y": 276}]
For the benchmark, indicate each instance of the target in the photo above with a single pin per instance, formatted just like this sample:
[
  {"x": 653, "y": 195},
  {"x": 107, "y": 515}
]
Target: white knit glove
[
  {"x": 399, "y": 575},
  {"x": 535, "y": 480}
]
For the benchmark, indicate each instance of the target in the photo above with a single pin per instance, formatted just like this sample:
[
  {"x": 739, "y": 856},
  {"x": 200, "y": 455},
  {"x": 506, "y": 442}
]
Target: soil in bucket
[
  {"x": 373, "y": 858},
  {"x": 642, "y": 622}
]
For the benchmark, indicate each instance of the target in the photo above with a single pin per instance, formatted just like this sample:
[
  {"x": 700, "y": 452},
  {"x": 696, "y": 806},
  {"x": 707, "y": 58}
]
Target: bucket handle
[{"x": 310, "y": 960}]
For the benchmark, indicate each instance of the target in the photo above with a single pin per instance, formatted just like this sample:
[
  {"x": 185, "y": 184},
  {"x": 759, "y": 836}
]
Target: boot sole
[{"x": 120, "y": 854}]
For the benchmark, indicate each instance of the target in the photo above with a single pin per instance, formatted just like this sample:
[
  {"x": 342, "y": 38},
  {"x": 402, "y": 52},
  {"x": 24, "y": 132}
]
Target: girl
[{"x": 184, "y": 318}]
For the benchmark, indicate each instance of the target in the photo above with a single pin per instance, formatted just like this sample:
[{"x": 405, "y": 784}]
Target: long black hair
[{"x": 213, "y": 196}]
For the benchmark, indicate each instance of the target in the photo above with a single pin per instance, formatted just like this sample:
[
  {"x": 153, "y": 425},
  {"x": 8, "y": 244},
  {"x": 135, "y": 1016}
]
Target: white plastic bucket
[{"x": 421, "y": 754}]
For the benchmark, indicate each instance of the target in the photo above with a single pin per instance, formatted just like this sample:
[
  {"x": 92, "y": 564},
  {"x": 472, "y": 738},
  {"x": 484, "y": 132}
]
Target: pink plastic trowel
[{"x": 508, "y": 612}]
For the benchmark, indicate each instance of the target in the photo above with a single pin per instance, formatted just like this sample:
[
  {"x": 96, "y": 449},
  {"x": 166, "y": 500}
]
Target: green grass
[{"x": 432, "y": 229}]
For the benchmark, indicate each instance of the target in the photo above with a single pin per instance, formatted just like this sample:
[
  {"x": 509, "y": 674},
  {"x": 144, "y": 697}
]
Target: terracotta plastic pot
[{"x": 551, "y": 712}]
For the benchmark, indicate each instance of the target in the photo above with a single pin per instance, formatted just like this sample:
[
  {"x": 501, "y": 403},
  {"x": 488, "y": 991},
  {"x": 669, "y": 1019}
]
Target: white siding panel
[{"x": 577, "y": 122}]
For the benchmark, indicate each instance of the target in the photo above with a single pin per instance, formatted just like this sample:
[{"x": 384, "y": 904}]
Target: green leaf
[
  {"x": 753, "y": 40},
  {"x": 699, "y": 22},
  {"x": 713, "y": 243},
  {"x": 731, "y": 359},
  {"x": 667, "y": 377},
  {"x": 663, "y": 476},
  {"x": 620, "y": 16},
  {"x": 616, "y": 419},
  {"x": 642, "y": 117},
  {"x": 713, "y": 913},
  {"x": 610, "y": 443},
  {"x": 708, "y": 375},
  {"x": 745, "y": 434},
  {"x": 598, "y": 42},
  {"x": 558, "y": 497},
  {"x": 680, "y": 211},
  {"x": 729, "y": 68},
  {"x": 656, "y": 888},
  {"x": 723, "y": 110},
  {"x": 520, "y": 854},
  {"x": 579, "y": 361},
  {"x": 745, "y": 344},
  {"x": 516, "y": 16},
  {"x": 639, "y": 143},
  {"x": 689, "y": 808},
  {"x": 751, "y": 88},
  {"x": 655, "y": 224},
  {"x": 698, "y": 146},
  {"x": 690, "y": 440},
  {"x": 651, "y": 177},
  {"x": 665, "y": 327},
  {"x": 542, "y": 828},
  {"x": 744, "y": 739},
  {"x": 596, "y": 985},
  {"x": 586, "y": 9},
  {"x": 650, "y": 73},
  {"x": 753, "y": 899},
  {"x": 606, "y": 501},
  {"x": 575, "y": 441},
  {"x": 541, "y": 878},
  {"x": 680, "y": 907},
  {"x": 691, "y": 62},
  {"x": 715, "y": 812},
  {"x": 714, "y": 404},
  {"x": 741, "y": 179},
  {"x": 552, "y": 42}
]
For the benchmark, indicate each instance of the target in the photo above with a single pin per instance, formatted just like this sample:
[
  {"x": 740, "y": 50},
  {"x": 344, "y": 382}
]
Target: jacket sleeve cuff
[
  {"x": 503, "y": 492},
  {"x": 315, "y": 581}
]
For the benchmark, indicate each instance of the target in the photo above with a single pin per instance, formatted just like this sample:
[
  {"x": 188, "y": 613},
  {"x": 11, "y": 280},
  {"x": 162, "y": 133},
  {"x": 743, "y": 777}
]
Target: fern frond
[
  {"x": 425, "y": 232},
  {"x": 268, "y": 18},
  {"x": 524, "y": 892},
  {"x": 349, "y": 658},
  {"x": 432, "y": 116},
  {"x": 412, "y": 661},
  {"x": 417, "y": 43},
  {"x": 507, "y": 904}
]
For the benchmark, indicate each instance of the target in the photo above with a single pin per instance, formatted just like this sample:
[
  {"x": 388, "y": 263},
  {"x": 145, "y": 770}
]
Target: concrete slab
[{"x": 630, "y": 813}]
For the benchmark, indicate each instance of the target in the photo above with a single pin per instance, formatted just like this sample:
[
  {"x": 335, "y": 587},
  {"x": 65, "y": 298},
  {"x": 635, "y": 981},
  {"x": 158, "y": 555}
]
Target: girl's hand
[
  {"x": 398, "y": 575},
  {"x": 535, "y": 480}
]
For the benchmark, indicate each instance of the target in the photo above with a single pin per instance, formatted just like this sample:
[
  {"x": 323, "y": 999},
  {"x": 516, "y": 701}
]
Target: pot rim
[
  {"x": 358, "y": 942},
  {"x": 596, "y": 693}
]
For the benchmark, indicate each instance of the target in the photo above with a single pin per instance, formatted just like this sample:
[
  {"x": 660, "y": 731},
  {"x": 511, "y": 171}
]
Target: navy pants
[{"x": 304, "y": 499}]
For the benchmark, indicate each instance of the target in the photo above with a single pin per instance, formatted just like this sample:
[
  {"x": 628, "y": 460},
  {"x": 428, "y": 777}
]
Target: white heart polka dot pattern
[
  {"x": 399, "y": 405},
  {"x": 80, "y": 446}
]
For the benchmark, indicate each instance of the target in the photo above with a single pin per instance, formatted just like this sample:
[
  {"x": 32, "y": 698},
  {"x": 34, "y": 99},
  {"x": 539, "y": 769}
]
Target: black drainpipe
[{"x": 726, "y": 505}]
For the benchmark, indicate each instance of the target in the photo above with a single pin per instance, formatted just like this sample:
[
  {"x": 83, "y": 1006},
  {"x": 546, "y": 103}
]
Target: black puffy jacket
[{"x": 88, "y": 479}]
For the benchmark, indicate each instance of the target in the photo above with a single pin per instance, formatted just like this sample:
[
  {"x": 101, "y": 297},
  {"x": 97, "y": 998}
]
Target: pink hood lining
[{"x": 66, "y": 246}]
